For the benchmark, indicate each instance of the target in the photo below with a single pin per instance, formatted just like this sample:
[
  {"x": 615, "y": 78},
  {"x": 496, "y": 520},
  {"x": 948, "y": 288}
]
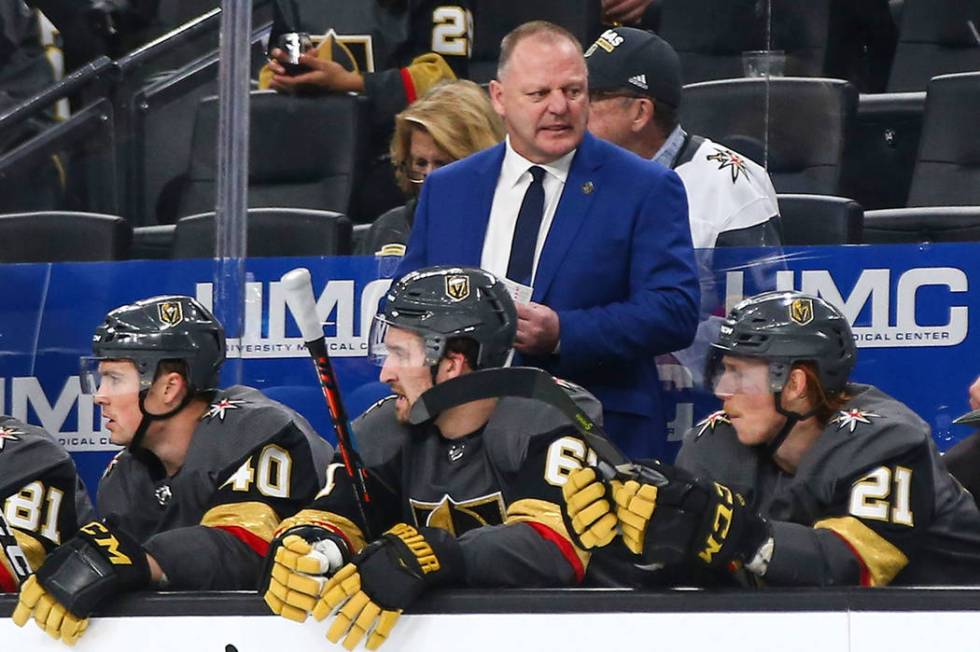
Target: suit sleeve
[
  {"x": 532, "y": 548},
  {"x": 875, "y": 527},
  {"x": 225, "y": 551},
  {"x": 660, "y": 313}
]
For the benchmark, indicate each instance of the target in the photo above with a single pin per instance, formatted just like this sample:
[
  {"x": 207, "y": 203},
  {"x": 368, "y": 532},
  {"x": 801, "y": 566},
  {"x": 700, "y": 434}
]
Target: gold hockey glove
[
  {"x": 587, "y": 511},
  {"x": 367, "y": 595},
  {"x": 299, "y": 562}
]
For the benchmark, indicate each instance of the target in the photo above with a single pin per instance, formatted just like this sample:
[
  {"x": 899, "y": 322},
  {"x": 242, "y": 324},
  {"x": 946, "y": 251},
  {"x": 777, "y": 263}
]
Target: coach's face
[{"x": 542, "y": 96}]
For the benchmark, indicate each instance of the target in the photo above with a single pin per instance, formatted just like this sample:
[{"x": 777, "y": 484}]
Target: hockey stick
[
  {"x": 299, "y": 298},
  {"x": 11, "y": 550},
  {"x": 531, "y": 383}
]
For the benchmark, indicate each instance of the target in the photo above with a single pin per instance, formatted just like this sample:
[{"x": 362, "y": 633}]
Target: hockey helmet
[
  {"x": 441, "y": 303},
  {"x": 785, "y": 327},
  {"x": 155, "y": 329}
]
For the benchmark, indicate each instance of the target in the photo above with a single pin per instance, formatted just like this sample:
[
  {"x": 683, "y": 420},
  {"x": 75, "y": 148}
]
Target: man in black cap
[{"x": 635, "y": 90}]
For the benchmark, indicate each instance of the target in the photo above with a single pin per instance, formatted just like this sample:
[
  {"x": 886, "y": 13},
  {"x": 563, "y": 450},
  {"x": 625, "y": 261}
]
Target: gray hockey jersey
[
  {"x": 498, "y": 489},
  {"x": 870, "y": 503},
  {"x": 43, "y": 499},
  {"x": 252, "y": 462}
]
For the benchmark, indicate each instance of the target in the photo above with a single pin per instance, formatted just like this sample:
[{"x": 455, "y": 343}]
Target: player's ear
[
  {"x": 796, "y": 385},
  {"x": 174, "y": 386},
  {"x": 455, "y": 365}
]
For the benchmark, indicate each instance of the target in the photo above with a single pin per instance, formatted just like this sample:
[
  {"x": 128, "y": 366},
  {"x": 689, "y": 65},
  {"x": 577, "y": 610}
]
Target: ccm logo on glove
[
  {"x": 105, "y": 539},
  {"x": 721, "y": 523}
]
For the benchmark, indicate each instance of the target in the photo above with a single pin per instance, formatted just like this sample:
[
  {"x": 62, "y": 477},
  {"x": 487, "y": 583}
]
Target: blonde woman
[{"x": 450, "y": 122}]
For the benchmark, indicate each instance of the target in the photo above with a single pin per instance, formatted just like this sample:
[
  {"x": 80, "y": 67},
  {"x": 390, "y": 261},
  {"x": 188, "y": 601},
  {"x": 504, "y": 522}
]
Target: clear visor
[
  {"x": 395, "y": 346},
  {"x": 728, "y": 375},
  {"x": 108, "y": 377}
]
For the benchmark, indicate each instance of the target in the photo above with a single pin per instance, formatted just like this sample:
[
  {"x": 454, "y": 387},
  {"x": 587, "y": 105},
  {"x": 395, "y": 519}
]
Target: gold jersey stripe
[
  {"x": 33, "y": 549},
  {"x": 258, "y": 518},
  {"x": 548, "y": 514},
  {"x": 882, "y": 559},
  {"x": 328, "y": 519}
]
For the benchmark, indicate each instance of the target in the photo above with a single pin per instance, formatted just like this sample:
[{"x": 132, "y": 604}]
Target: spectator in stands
[
  {"x": 393, "y": 52},
  {"x": 452, "y": 121},
  {"x": 597, "y": 237},
  {"x": 635, "y": 85},
  {"x": 631, "y": 12},
  {"x": 963, "y": 459}
]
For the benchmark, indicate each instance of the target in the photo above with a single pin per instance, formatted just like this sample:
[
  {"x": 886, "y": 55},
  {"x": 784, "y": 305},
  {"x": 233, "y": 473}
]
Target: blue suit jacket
[{"x": 617, "y": 265}]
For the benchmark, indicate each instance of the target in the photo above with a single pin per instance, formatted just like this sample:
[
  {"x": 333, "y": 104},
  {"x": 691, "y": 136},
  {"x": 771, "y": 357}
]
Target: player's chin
[{"x": 402, "y": 408}]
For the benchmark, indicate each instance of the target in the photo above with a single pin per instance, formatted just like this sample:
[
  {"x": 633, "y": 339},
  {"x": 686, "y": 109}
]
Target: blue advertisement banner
[{"x": 910, "y": 307}]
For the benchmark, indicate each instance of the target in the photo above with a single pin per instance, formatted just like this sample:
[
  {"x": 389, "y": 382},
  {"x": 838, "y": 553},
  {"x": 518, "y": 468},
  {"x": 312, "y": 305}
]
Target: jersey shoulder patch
[
  {"x": 712, "y": 421},
  {"x": 726, "y": 159}
]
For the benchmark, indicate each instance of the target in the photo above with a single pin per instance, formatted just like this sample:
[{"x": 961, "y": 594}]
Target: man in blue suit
[{"x": 601, "y": 235}]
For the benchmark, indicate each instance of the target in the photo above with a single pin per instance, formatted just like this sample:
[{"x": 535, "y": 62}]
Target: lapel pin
[{"x": 588, "y": 187}]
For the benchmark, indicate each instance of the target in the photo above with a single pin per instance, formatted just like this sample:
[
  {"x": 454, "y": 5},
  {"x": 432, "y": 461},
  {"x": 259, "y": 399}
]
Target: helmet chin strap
[
  {"x": 136, "y": 445},
  {"x": 792, "y": 418}
]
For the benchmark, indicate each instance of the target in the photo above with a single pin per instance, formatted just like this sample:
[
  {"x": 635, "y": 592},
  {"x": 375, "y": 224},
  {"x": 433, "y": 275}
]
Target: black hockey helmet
[
  {"x": 440, "y": 303},
  {"x": 785, "y": 327},
  {"x": 160, "y": 328}
]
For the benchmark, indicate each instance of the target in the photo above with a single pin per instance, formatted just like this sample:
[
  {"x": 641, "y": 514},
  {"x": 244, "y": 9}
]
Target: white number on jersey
[
  {"x": 36, "y": 508},
  {"x": 872, "y": 497},
  {"x": 564, "y": 456},
  {"x": 271, "y": 473},
  {"x": 452, "y": 31}
]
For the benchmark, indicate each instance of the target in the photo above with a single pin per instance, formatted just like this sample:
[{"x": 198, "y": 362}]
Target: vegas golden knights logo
[
  {"x": 459, "y": 517},
  {"x": 457, "y": 287},
  {"x": 171, "y": 312},
  {"x": 801, "y": 311}
]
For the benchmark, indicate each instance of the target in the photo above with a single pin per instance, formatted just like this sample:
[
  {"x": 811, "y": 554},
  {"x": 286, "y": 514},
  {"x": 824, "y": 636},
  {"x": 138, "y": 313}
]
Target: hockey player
[
  {"x": 41, "y": 496},
  {"x": 803, "y": 479},
  {"x": 471, "y": 497},
  {"x": 635, "y": 90},
  {"x": 206, "y": 476}
]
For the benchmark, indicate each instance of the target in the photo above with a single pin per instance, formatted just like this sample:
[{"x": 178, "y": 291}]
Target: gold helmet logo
[
  {"x": 171, "y": 312},
  {"x": 457, "y": 287},
  {"x": 801, "y": 311}
]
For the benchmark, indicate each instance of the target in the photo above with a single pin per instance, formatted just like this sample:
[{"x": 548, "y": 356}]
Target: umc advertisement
[{"x": 910, "y": 307}]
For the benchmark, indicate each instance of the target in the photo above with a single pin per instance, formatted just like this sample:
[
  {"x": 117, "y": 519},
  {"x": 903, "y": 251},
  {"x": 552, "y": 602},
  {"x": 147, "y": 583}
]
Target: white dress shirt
[{"x": 511, "y": 185}]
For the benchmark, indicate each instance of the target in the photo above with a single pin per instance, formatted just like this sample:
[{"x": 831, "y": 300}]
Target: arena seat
[
  {"x": 710, "y": 35},
  {"x": 923, "y": 224},
  {"x": 881, "y": 151},
  {"x": 61, "y": 236},
  {"x": 493, "y": 19},
  {"x": 947, "y": 168},
  {"x": 808, "y": 121},
  {"x": 304, "y": 152},
  {"x": 271, "y": 232},
  {"x": 935, "y": 38},
  {"x": 820, "y": 220}
]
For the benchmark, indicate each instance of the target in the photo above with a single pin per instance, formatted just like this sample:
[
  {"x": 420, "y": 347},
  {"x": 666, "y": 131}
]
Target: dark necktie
[{"x": 526, "y": 230}]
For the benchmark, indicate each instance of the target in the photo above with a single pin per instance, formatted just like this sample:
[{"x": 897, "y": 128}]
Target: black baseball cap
[{"x": 626, "y": 58}]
